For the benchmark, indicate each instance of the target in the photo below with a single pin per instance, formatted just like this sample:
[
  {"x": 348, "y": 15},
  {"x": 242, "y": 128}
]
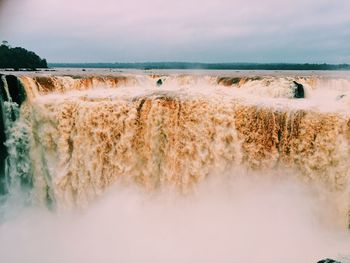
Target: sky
[{"x": 264, "y": 31}]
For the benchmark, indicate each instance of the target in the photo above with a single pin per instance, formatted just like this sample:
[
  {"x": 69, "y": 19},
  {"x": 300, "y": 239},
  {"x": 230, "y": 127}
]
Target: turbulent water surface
[{"x": 175, "y": 167}]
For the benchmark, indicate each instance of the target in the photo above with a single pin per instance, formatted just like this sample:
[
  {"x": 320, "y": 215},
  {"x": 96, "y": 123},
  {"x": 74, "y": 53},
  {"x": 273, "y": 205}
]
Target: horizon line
[{"x": 207, "y": 63}]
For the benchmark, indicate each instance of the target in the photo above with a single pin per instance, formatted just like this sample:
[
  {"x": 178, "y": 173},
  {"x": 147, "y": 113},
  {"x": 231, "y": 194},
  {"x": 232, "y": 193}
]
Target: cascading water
[
  {"x": 72, "y": 138},
  {"x": 16, "y": 134},
  {"x": 79, "y": 135}
]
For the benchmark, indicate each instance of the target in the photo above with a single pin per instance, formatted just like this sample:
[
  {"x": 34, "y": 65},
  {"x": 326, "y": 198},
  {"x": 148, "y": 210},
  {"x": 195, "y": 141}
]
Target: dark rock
[
  {"x": 3, "y": 92},
  {"x": 159, "y": 82},
  {"x": 16, "y": 89},
  {"x": 298, "y": 90},
  {"x": 228, "y": 81},
  {"x": 341, "y": 96},
  {"x": 3, "y": 150},
  {"x": 328, "y": 260}
]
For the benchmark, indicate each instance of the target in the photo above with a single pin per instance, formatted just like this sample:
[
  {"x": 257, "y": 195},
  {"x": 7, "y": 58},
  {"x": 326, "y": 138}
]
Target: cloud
[
  {"x": 201, "y": 30},
  {"x": 2, "y": 2}
]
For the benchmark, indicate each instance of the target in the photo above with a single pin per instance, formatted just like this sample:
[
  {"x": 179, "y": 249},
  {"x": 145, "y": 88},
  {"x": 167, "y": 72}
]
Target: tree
[
  {"x": 19, "y": 57},
  {"x": 5, "y": 43}
]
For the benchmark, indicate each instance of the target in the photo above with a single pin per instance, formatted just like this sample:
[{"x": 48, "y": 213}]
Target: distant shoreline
[{"x": 203, "y": 66}]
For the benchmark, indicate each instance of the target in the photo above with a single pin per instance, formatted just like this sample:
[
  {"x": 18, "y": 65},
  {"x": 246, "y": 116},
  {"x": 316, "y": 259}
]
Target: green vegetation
[
  {"x": 19, "y": 58},
  {"x": 212, "y": 66}
]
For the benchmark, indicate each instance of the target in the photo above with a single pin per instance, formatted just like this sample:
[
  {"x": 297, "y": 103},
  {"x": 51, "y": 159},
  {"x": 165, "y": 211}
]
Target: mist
[{"x": 237, "y": 217}]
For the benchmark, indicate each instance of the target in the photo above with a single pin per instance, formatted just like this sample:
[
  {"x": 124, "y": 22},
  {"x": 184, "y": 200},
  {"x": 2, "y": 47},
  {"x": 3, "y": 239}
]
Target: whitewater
[{"x": 163, "y": 166}]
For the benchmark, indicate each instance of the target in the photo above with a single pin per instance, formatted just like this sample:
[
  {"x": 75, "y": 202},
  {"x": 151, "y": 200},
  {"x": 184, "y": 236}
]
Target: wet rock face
[
  {"x": 328, "y": 260},
  {"x": 12, "y": 95},
  {"x": 16, "y": 90},
  {"x": 159, "y": 82},
  {"x": 228, "y": 81},
  {"x": 298, "y": 90},
  {"x": 340, "y": 97},
  {"x": 3, "y": 150},
  {"x": 3, "y": 93}
]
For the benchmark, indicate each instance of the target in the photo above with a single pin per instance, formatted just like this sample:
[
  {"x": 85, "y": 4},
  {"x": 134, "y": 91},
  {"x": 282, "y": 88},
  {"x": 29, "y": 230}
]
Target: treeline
[
  {"x": 212, "y": 66},
  {"x": 19, "y": 58}
]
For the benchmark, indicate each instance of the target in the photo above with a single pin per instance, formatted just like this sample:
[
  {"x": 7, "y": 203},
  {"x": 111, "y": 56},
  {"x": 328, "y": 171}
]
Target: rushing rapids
[{"x": 68, "y": 138}]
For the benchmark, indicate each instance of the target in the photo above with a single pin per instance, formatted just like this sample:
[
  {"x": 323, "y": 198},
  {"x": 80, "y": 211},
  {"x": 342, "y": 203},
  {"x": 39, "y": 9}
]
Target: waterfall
[
  {"x": 17, "y": 176},
  {"x": 73, "y": 137}
]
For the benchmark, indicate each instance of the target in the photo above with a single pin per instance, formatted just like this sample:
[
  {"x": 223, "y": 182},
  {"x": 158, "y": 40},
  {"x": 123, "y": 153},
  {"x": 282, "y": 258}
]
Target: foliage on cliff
[{"x": 19, "y": 58}]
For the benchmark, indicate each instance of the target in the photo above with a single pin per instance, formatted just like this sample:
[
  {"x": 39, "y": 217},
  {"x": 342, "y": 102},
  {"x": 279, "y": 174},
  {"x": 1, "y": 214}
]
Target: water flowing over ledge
[{"x": 68, "y": 138}]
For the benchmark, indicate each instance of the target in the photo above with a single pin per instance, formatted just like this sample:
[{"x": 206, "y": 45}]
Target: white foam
[{"x": 321, "y": 93}]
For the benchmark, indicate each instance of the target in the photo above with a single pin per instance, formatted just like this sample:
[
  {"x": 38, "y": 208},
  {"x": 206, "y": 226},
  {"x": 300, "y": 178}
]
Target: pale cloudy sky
[{"x": 180, "y": 30}]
